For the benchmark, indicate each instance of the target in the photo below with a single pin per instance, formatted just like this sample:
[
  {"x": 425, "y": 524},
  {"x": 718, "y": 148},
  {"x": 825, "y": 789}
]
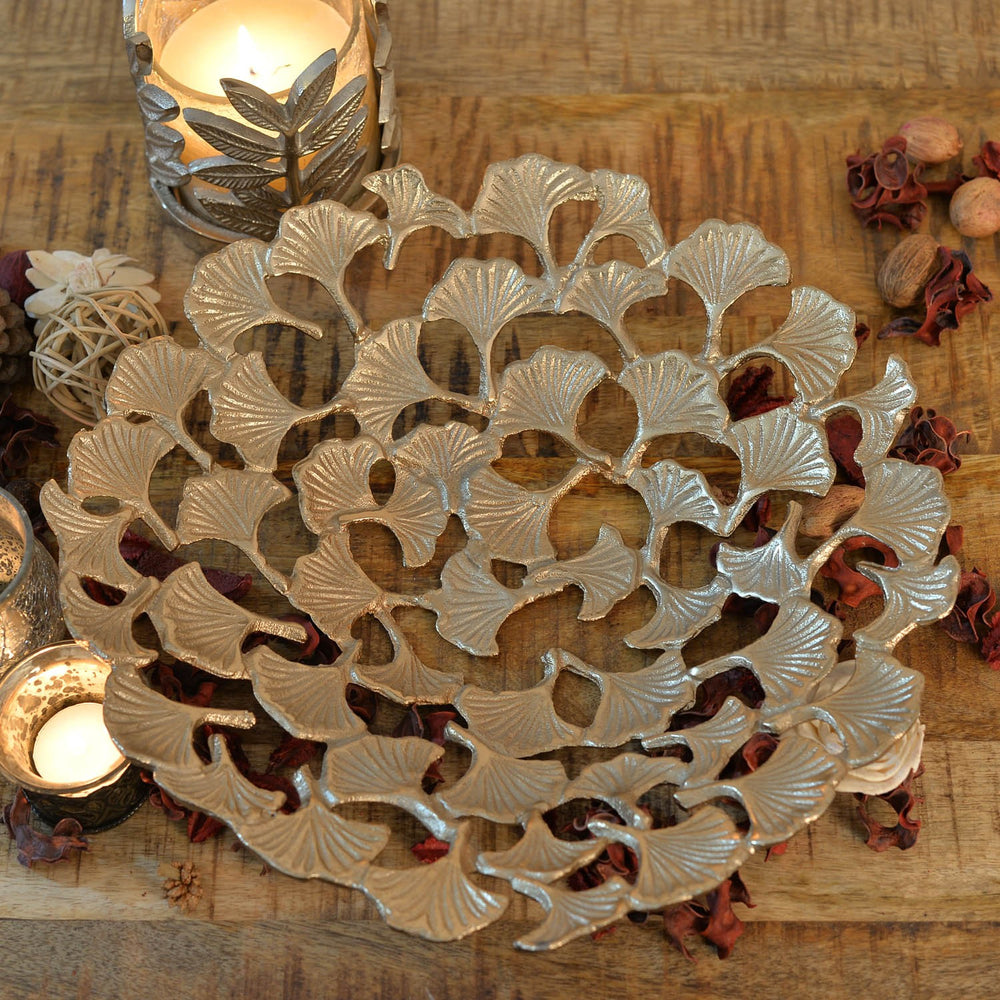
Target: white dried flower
[{"x": 61, "y": 275}]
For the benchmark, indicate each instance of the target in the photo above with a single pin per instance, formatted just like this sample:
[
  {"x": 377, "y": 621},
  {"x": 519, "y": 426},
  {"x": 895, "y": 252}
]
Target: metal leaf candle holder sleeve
[
  {"x": 836, "y": 724},
  {"x": 228, "y": 165}
]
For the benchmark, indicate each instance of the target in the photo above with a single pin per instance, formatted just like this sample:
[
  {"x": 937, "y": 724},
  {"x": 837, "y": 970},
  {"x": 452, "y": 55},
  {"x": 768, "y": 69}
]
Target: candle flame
[{"x": 247, "y": 48}]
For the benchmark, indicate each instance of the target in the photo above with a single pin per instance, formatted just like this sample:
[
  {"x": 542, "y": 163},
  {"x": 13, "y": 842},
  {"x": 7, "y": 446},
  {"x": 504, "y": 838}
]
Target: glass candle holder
[
  {"x": 31, "y": 693},
  {"x": 30, "y": 615},
  {"x": 253, "y": 106}
]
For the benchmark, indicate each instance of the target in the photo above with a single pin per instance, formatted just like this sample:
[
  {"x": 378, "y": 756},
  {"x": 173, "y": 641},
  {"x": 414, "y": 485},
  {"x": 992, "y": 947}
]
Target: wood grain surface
[{"x": 739, "y": 109}]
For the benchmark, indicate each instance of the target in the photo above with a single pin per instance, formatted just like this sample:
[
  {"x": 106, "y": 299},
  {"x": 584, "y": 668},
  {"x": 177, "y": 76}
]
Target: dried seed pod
[
  {"x": 907, "y": 269},
  {"x": 975, "y": 207},
  {"x": 930, "y": 139}
]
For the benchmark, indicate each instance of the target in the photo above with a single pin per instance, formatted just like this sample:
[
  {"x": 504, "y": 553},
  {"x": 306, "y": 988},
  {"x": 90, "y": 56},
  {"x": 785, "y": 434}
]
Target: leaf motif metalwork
[
  {"x": 200, "y": 626},
  {"x": 827, "y": 715},
  {"x": 791, "y": 788},
  {"x": 546, "y": 391},
  {"x": 721, "y": 262},
  {"x": 511, "y": 521},
  {"x": 606, "y": 574},
  {"x": 816, "y": 343},
  {"x": 333, "y": 479},
  {"x": 471, "y": 605},
  {"x": 879, "y": 702},
  {"x": 571, "y": 914},
  {"x": 116, "y": 459},
  {"x": 319, "y": 241},
  {"x": 313, "y": 841},
  {"x": 773, "y": 570},
  {"x": 779, "y": 451},
  {"x": 882, "y": 410},
  {"x": 414, "y": 514},
  {"x": 621, "y": 781},
  {"x": 636, "y": 704},
  {"x": 498, "y": 787},
  {"x": 903, "y": 507},
  {"x": 157, "y": 729},
  {"x": 249, "y": 411},
  {"x": 539, "y": 855},
  {"x": 797, "y": 650},
  {"x": 483, "y": 296},
  {"x": 519, "y": 197},
  {"x": 219, "y": 788},
  {"x": 229, "y": 504},
  {"x": 448, "y": 456},
  {"x": 438, "y": 902},
  {"x": 680, "y": 861},
  {"x": 411, "y": 205},
  {"x": 310, "y": 702},
  {"x": 712, "y": 743},
  {"x": 680, "y": 613},
  {"x": 406, "y": 678},
  {"x": 673, "y": 493},
  {"x": 158, "y": 378},
  {"x": 522, "y": 723},
  {"x": 607, "y": 291},
  {"x": 624, "y": 200},
  {"x": 332, "y": 589},
  {"x": 387, "y": 377},
  {"x": 108, "y": 630},
  {"x": 88, "y": 543},
  {"x": 228, "y": 296},
  {"x": 389, "y": 770},
  {"x": 914, "y": 595},
  {"x": 673, "y": 394}
]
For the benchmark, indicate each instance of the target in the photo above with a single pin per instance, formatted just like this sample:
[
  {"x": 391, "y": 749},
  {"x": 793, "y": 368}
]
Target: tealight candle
[
  {"x": 310, "y": 109},
  {"x": 53, "y": 741},
  {"x": 260, "y": 41},
  {"x": 74, "y": 746}
]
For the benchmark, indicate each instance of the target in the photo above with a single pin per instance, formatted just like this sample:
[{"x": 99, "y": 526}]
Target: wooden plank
[{"x": 341, "y": 960}]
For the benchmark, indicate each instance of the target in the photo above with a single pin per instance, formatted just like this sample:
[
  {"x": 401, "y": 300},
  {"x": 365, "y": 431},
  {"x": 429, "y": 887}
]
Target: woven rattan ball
[{"x": 78, "y": 344}]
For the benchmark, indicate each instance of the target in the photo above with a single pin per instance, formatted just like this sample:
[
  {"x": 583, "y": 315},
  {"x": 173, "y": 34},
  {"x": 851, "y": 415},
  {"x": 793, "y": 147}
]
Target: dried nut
[
  {"x": 930, "y": 139},
  {"x": 975, "y": 207},
  {"x": 906, "y": 270},
  {"x": 821, "y": 516}
]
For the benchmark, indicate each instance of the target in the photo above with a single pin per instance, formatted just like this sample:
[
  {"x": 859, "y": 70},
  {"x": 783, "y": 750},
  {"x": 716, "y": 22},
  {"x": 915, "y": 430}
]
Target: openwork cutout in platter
[{"x": 832, "y": 719}]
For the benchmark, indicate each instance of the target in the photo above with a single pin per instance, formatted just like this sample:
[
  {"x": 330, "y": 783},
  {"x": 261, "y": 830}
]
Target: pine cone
[{"x": 15, "y": 340}]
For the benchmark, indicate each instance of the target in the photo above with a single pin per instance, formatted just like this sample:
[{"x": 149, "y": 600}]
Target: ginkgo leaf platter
[{"x": 567, "y": 730}]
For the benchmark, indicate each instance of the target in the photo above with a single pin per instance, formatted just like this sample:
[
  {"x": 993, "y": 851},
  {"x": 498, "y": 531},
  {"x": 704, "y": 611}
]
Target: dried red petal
[
  {"x": 293, "y": 752},
  {"x": 973, "y": 604},
  {"x": 681, "y": 921},
  {"x": 930, "y": 439},
  {"x": 738, "y": 682},
  {"x": 902, "y": 800},
  {"x": 723, "y": 927},
  {"x": 990, "y": 646},
  {"x": 951, "y": 294},
  {"x": 430, "y": 849},
  {"x": 862, "y": 331},
  {"x": 885, "y": 187},
  {"x": 748, "y": 393},
  {"x": 14, "y": 276},
  {"x": 952, "y": 542},
  {"x": 20, "y": 428},
  {"x": 987, "y": 163},
  {"x": 843, "y": 432},
  {"x": 32, "y": 844},
  {"x": 853, "y": 587}
]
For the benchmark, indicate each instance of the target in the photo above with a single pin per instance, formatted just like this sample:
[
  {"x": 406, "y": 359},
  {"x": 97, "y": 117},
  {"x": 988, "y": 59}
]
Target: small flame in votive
[{"x": 249, "y": 55}]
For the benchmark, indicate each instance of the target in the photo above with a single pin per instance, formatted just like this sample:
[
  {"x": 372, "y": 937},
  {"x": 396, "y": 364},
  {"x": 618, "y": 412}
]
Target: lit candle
[
  {"x": 264, "y": 42},
  {"x": 74, "y": 747}
]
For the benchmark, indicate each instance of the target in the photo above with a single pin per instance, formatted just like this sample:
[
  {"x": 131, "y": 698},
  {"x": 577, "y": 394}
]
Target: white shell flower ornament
[{"x": 64, "y": 274}]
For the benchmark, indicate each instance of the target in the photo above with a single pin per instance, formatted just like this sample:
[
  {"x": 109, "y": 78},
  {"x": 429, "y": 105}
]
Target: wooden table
[{"x": 737, "y": 110}]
